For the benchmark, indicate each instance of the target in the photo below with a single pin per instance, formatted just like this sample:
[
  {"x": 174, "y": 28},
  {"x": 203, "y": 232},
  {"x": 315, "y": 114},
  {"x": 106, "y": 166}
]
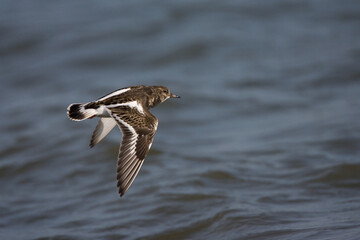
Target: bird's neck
[{"x": 153, "y": 101}]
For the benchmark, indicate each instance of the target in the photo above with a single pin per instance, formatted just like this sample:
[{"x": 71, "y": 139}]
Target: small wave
[
  {"x": 342, "y": 176},
  {"x": 218, "y": 175}
]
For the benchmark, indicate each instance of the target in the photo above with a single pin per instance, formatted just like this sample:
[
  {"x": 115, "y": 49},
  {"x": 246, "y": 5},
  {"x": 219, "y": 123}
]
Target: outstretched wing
[
  {"x": 104, "y": 126},
  {"x": 138, "y": 130}
]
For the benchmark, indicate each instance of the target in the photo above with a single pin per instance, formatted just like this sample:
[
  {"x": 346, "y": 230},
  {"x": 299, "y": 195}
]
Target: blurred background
[{"x": 263, "y": 144}]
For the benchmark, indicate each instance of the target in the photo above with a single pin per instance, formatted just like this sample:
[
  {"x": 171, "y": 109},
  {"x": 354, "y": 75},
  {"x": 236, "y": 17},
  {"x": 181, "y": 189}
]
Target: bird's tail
[{"x": 78, "y": 112}]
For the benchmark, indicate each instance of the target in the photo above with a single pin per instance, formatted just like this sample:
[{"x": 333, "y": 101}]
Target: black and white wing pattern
[{"x": 138, "y": 132}]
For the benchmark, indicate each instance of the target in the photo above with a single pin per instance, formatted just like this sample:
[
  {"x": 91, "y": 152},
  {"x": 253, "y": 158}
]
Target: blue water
[{"x": 263, "y": 144}]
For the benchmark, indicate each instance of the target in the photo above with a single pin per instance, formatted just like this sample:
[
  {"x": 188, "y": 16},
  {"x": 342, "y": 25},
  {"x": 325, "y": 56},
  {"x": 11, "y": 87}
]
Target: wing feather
[
  {"x": 104, "y": 126},
  {"x": 138, "y": 132}
]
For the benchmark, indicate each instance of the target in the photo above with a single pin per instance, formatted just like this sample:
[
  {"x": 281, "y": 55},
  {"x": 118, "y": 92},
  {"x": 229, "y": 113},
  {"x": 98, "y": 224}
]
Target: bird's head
[{"x": 160, "y": 94}]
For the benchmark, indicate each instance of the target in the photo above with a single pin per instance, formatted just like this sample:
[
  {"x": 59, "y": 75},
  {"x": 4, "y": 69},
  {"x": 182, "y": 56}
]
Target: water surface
[{"x": 263, "y": 144}]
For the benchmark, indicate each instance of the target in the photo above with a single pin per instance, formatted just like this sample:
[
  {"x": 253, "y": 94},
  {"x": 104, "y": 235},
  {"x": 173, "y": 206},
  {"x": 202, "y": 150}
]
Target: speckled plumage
[{"x": 129, "y": 109}]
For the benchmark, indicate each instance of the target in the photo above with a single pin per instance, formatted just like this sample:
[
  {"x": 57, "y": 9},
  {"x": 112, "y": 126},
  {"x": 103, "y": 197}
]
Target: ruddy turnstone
[{"x": 129, "y": 109}]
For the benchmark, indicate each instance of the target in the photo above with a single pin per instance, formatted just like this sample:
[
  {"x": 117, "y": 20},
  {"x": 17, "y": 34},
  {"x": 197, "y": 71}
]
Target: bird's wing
[
  {"x": 138, "y": 130},
  {"x": 104, "y": 126}
]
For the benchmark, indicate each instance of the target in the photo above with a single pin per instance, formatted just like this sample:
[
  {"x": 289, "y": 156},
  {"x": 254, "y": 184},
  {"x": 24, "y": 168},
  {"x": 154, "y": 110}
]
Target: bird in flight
[{"x": 129, "y": 109}]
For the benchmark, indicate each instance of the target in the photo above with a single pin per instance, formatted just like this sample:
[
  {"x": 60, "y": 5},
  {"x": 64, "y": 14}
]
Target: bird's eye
[{"x": 165, "y": 91}]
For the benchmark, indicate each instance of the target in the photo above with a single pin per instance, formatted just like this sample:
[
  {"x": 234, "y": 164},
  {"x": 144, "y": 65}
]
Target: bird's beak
[{"x": 174, "y": 96}]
